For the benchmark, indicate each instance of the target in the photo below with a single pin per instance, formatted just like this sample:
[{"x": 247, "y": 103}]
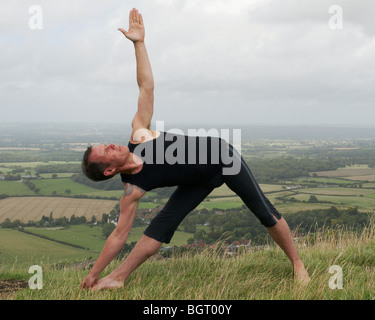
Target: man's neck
[{"x": 133, "y": 166}]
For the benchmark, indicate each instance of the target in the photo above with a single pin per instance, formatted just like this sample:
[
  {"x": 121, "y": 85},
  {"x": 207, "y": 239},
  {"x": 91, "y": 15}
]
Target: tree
[
  {"x": 200, "y": 234},
  {"x": 6, "y": 223},
  {"x": 73, "y": 219},
  {"x": 107, "y": 229},
  {"x": 93, "y": 219},
  {"x": 105, "y": 217},
  {"x": 16, "y": 224},
  {"x": 189, "y": 226}
]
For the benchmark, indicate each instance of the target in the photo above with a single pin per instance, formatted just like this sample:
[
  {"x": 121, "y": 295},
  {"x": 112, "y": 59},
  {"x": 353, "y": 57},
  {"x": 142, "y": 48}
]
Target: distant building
[
  {"x": 294, "y": 187},
  {"x": 29, "y": 176}
]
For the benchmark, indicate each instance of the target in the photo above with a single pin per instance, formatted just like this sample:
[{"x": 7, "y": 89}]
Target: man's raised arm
[{"x": 145, "y": 79}]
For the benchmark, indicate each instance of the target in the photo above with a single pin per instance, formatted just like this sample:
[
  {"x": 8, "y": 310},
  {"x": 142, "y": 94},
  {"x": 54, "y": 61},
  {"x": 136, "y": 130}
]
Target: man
[{"x": 194, "y": 180}]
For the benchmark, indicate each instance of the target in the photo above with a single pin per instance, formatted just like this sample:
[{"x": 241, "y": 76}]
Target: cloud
[{"x": 214, "y": 60}]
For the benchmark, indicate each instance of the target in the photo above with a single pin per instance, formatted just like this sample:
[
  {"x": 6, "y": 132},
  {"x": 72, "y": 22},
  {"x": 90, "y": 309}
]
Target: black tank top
[{"x": 177, "y": 160}]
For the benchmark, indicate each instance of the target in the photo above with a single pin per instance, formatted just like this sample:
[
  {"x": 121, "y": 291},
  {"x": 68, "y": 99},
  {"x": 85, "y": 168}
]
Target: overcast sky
[{"x": 237, "y": 61}]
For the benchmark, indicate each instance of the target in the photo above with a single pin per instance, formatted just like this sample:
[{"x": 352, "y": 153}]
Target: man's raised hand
[{"x": 136, "y": 30}]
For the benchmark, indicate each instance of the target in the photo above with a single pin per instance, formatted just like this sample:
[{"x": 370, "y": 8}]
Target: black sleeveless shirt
[{"x": 177, "y": 160}]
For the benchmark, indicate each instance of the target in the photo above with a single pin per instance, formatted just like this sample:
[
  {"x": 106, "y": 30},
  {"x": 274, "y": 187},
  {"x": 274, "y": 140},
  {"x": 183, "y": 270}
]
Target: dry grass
[{"x": 259, "y": 275}]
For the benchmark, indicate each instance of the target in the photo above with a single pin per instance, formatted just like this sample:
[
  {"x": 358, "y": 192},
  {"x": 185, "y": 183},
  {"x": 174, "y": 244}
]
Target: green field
[
  {"x": 324, "y": 180},
  {"x": 60, "y": 186},
  {"x": 58, "y": 175},
  {"x": 288, "y": 197},
  {"x": 329, "y": 190},
  {"x": 222, "y": 205},
  {"x": 24, "y": 250},
  {"x": 89, "y": 237},
  {"x": 15, "y": 188}
]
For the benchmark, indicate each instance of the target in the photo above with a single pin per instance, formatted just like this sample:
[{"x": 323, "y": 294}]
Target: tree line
[{"x": 240, "y": 224}]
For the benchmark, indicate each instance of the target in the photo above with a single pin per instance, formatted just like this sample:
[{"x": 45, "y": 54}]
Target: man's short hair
[{"x": 93, "y": 170}]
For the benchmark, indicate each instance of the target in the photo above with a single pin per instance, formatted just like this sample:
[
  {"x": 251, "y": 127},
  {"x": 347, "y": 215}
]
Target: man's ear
[{"x": 109, "y": 171}]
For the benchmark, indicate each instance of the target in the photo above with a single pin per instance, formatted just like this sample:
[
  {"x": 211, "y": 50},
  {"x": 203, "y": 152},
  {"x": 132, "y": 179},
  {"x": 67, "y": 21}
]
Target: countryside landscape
[{"x": 322, "y": 179}]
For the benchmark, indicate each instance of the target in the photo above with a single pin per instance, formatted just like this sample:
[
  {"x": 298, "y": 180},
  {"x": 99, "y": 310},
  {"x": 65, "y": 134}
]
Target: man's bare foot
[
  {"x": 107, "y": 283},
  {"x": 300, "y": 273}
]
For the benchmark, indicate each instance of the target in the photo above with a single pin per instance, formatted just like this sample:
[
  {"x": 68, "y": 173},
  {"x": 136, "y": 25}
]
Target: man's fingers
[
  {"x": 130, "y": 17},
  {"x": 136, "y": 16}
]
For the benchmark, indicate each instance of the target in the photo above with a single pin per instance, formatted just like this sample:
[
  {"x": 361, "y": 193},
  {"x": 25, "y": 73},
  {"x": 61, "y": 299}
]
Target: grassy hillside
[{"x": 262, "y": 274}]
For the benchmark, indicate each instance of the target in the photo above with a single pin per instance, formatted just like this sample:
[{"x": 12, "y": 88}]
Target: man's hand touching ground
[
  {"x": 89, "y": 282},
  {"x": 136, "y": 30}
]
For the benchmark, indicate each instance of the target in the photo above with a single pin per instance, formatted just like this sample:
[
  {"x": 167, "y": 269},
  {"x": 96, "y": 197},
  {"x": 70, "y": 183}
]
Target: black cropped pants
[{"x": 186, "y": 198}]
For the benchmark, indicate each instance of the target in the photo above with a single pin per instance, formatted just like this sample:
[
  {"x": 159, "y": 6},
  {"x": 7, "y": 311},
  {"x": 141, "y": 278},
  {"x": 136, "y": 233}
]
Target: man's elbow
[
  {"x": 147, "y": 89},
  {"x": 120, "y": 234}
]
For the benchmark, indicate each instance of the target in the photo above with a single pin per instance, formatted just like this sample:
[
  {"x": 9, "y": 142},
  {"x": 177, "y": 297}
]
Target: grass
[
  {"x": 27, "y": 250},
  {"x": 59, "y": 186},
  {"x": 254, "y": 275},
  {"x": 81, "y": 235},
  {"x": 92, "y": 238},
  {"x": 15, "y": 188},
  {"x": 223, "y": 205}
]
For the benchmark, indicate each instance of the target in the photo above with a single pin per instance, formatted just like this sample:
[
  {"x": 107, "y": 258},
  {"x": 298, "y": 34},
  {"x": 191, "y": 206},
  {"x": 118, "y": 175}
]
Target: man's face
[{"x": 114, "y": 155}]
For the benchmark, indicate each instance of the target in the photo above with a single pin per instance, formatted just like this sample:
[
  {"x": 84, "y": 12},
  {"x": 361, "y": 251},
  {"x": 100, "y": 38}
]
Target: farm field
[
  {"x": 61, "y": 186},
  {"x": 33, "y": 208},
  {"x": 91, "y": 237},
  {"x": 33, "y": 164},
  {"x": 224, "y": 191},
  {"x": 25, "y": 250},
  {"x": 350, "y": 172},
  {"x": 15, "y": 188},
  {"x": 329, "y": 190}
]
